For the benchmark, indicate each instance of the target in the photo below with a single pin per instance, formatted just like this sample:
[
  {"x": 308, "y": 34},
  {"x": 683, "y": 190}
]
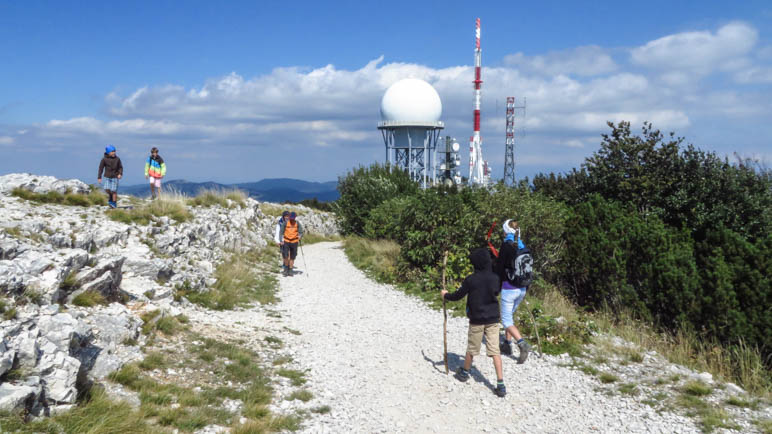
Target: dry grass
[
  {"x": 554, "y": 303},
  {"x": 96, "y": 414},
  {"x": 89, "y": 299},
  {"x": 276, "y": 210},
  {"x": 171, "y": 204},
  {"x": 94, "y": 197},
  {"x": 739, "y": 364},
  {"x": 240, "y": 281},
  {"x": 312, "y": 238},
  {"x": 377, "y": 257},
  {"x": 223, "y": 198}
]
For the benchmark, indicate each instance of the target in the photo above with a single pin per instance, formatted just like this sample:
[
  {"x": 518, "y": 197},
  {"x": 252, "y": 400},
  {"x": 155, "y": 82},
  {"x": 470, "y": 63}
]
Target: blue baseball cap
[
  {"x": 292, "y": 215},
  {"x": 109, "y": 148}
]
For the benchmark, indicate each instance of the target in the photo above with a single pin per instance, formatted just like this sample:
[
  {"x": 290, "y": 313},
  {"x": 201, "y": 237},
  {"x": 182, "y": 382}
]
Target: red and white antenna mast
[{"x": 476, "y": 170}]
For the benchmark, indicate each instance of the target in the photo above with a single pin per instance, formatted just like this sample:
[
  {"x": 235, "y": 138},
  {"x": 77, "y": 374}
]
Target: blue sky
[{"x": 240, "y": 91}]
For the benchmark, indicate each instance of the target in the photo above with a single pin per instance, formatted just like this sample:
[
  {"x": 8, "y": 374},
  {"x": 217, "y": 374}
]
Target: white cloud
[
  {"x": 328, "y": 115},
  {"x": 582, "y": 61},
  {"x": 756, "y": 74},
  {"x": 700, "y": 51}
]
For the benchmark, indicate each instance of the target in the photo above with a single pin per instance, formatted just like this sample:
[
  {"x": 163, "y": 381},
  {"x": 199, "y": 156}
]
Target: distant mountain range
[{"x": 267, "y": 190}]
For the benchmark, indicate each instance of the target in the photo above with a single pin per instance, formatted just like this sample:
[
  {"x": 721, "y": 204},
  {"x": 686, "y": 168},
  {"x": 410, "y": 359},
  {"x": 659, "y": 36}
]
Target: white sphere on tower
[{"x": 411, "y": 100}]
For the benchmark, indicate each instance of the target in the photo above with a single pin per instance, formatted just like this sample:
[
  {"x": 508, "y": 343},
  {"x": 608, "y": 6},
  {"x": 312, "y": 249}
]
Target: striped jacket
[{"x": 155, "y": 167}]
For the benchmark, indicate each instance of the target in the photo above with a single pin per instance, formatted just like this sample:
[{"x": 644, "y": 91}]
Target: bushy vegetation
[
  {"x": 363, "y": 189},
  {"x": 676, "y": 235},
  {"x": 93, "y": 198},
  {"x": 647, "y": 231}
]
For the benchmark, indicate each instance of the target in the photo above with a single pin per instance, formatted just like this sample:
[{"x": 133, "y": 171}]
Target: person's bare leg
[
  {"x": 512, "y": 331},
  {"x": 468, "y": 361},
  {"x": 152, "y": 191},
  {"x": 497, "y": 366}
]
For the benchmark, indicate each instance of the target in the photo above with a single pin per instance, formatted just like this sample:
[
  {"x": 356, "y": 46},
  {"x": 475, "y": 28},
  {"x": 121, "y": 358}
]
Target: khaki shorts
[{"x": 491, "y": 332}]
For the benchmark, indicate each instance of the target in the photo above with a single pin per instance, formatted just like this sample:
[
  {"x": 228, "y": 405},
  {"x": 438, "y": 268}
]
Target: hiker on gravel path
[
  {"x": 291, "y": 233},
  {"x": 511, "y": 295},
  {"x": 277, "y": 237},
  {"x": 482, "y": 307},
  {"x": 113, "y": 171},
  {"x": 155, "y": 169}
]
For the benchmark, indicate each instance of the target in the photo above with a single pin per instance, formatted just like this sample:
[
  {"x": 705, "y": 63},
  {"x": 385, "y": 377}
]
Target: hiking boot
[
  {"x": 285, "y": 272},
  {"x": 462, "y": 375},
  {"x": 112, "y": 204},
  {"x": 500, "y": 390},
  {"x": 505, "y": 348},
  {"x": 524, "y": 349}
]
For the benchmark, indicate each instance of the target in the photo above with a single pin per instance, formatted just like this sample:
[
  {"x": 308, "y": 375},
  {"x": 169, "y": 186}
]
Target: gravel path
[{"x": 374, "y": 355}]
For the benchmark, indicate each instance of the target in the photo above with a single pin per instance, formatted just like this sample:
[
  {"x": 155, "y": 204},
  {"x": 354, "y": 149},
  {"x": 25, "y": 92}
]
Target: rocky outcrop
[
  {"x": 53, "y": 355},
  {"x": 41, "y": 184},
  {"x": 50, "y": 254}
]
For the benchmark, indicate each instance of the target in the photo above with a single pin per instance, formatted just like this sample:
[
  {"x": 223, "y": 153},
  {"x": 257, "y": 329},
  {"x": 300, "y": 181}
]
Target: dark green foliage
[
  {"x": 690, "y": 245},
  {"x": 735, "y": 288},
  {"x": 365, "y": 188},
  {"x": 617, "y": 258},
  {"x": 384, "y": 220},
  {"x": 439, "y": 219},
  {"x": 684, "y": 187}
]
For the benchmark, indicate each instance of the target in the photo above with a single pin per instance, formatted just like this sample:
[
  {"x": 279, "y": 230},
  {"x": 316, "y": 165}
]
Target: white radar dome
[{"x": 411, "y": 100}]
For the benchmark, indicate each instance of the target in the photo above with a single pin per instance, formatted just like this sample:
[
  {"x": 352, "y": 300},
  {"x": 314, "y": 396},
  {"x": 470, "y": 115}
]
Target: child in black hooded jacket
[{"x": 482, "y": 308}]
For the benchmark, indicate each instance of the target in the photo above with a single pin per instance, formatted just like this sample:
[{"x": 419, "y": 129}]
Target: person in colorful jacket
[
  {"x": 112, "y": 168},
  {"x": 291, "y": 232},
  {"x": 155, "y": 169}
]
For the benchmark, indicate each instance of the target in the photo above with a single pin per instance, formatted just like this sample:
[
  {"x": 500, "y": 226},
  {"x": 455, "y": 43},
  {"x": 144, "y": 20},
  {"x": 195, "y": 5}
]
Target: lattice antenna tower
[{"x": 509, "y": 148}]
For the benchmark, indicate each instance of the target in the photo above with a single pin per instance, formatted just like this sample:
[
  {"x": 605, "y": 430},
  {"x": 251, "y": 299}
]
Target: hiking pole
[
  {"x": 536, "y": 329},
  {"x": 445, "y": 313},
  {"x": 300, "y": 243}
]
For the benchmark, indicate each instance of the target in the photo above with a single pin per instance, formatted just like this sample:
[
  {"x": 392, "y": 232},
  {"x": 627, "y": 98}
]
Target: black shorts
[{"x": 290, "y": 249}]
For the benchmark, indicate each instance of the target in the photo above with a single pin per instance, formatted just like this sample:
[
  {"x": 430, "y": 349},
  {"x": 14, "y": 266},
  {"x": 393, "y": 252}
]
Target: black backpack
[{"x": 520, "y": 269}]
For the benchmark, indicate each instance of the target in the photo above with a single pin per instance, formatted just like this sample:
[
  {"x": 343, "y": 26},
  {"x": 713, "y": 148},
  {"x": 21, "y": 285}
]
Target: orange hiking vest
[{"x": 291, "y": 232}]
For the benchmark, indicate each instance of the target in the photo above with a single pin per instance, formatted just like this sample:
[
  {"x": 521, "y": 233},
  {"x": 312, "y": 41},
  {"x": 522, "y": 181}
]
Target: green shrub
[
  {"x": 735, "y": 289},
  {"x": 363, "y": 189},
  {"x": 618, "y": 259},
  {"x": 384, "y": 220}
]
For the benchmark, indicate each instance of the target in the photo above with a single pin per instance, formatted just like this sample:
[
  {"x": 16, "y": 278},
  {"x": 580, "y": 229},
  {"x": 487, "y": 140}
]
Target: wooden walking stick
[{"x": 445, "y": 312}]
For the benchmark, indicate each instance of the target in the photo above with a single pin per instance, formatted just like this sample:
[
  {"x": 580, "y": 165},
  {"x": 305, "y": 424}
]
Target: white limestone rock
[{"x": 41, "y": 184}]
